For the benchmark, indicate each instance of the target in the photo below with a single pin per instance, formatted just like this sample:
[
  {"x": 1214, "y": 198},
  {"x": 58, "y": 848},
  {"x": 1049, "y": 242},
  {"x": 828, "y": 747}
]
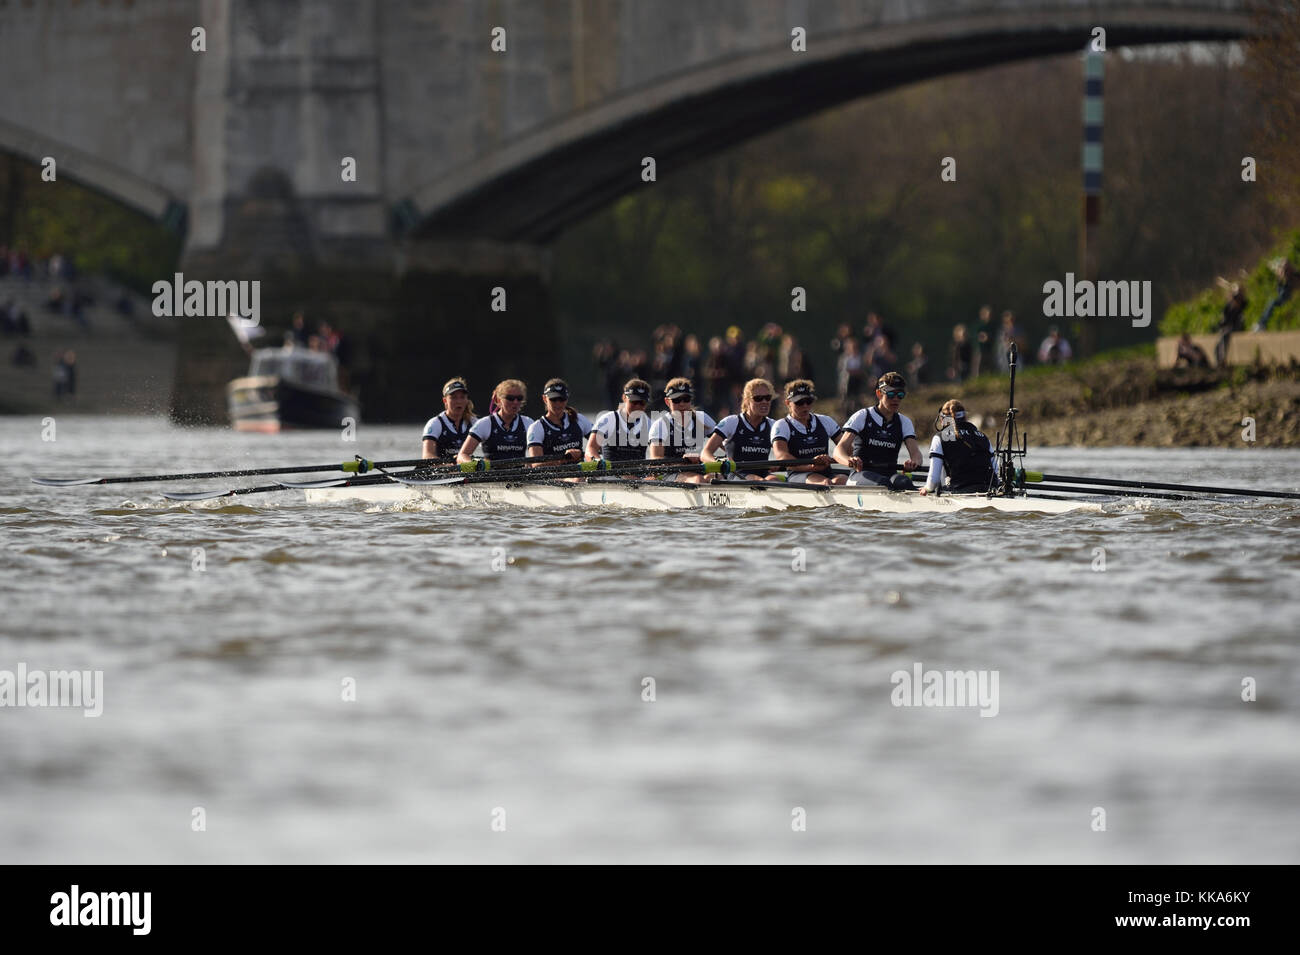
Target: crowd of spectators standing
[
  {"x": 861, "y": 357},
  {"x": 326, "y": 338},
  {"x": 719, "y": 370}
]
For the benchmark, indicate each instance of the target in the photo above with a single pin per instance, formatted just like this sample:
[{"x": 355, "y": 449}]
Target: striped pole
[{"x": 1093, "y": 74}]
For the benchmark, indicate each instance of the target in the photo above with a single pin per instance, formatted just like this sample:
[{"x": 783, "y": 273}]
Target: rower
[
  {"x": 444, "y": 434},
  {"x": 873, "y": 436},
  {"x": 746, "y": 436},
  {"x": 504, "y": 433},
  {"x": 804, "y": 434},
  {"x": 561, "y": 430},
  {"x": 622, "y": 434},
  {"x": 962, "y": 450},
  {"x": 680, "y": 434}
]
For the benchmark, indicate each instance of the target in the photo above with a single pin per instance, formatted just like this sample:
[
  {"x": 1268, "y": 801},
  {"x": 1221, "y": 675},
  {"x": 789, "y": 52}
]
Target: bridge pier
[{"x": 415, "y": 314}]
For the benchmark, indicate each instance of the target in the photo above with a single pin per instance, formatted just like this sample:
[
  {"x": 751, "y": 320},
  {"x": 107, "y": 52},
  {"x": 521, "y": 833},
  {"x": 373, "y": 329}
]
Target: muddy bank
[{"x": 1126, "y": 401}]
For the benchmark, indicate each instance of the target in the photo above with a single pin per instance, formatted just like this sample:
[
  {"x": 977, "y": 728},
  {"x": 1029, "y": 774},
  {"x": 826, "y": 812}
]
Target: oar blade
[
  {"x": 66, "y": 482},
  {"x": 425, "y": 482},
  {"x": 195, "y": 495}
]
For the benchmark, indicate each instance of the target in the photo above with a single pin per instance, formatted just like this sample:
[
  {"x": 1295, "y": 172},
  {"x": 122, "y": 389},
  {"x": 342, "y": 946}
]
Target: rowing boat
[{"x": 658, "y": 496}]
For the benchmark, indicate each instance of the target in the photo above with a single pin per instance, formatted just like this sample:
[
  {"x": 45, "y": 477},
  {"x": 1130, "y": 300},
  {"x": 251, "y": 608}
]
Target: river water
[{"x": 499, "y": 663}]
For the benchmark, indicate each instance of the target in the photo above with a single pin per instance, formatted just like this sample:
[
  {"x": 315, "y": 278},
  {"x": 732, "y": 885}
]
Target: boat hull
[
  {"x": 269, "y": 404},
  {"x": 650, "y": 496}
]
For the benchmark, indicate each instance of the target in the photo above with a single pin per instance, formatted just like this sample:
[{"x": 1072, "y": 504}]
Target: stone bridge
[{"x": 468, "y": 158}]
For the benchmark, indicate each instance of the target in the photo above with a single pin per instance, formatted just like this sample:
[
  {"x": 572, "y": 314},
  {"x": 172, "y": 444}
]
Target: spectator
[
  {"x": 734, "y": 349},
  {"x": 883, "y": 357},
  {"x": 1007, "y": 336},
  {"x": 918, "y": 369},
  {"x": 23, "y": 357},
  {"x": 605, "y": 356},
  {"x": 715, "y": 376},
  {"x": 1233, "y": 319},
  {"x": 65, "y": 374},
  {"x": 850, "y": 377},
  {"x": 986, "y": 336},
  {"x": 1190, "y": 354},
  {"x": 1288, "y": 277},
  {"x": 1054, "y": 350},
  {"x": 691, "y": 358},
  {"x": 842, "y": 335},
  {"x": 298, "y": 334},
  {"x": 959, "y": 354}
]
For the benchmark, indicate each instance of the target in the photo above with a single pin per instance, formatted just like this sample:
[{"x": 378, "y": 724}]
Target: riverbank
[{"x": 1121, "y": 399}]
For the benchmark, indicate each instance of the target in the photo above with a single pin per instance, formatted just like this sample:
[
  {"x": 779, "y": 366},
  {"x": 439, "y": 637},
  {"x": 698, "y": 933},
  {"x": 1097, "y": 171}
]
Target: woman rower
[
  {"x": 622, "y": 434},
  {"x": 746, "y": 436},
  {"x": 962, "y": 450},
  {"x": 680, "y": 434},
  {"x": 445, "y": 433},
  {"x": 806, "y": 435},
  {"x": 503, "y": 433},
  {"x": 561, "y": 430},
  {"x": 873, "y": 436}
]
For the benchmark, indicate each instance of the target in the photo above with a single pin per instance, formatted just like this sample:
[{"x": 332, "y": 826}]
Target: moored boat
[{"x": 289, "y": 388}]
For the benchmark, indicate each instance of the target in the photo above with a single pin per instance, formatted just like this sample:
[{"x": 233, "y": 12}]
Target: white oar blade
[
  {"x": 194, "y": 495},
  {"x": 424, "y": 483},
  {"x": 306, "y": 485},
  {"x": 65, "y": 482}
]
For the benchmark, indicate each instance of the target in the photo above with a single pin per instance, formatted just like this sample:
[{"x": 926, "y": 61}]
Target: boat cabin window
[
  {"x": 315, "y": 369},
  {"x": 265, "y": 363}
]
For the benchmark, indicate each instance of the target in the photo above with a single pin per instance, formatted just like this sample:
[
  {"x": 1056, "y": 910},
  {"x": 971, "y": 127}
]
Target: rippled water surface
[{"x": 517, "y": 694}]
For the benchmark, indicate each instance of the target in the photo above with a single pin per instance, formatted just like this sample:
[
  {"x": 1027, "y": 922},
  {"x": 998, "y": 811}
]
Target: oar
[
  {"x": 1040, "y": 477},
  {"x": 579, "y": 469},
  {"x": 282, "y": 486},
  {"x": 359, "y": 466},
  {"x": 383, "y": 477},
  {"x": 1117, "y": 492}
]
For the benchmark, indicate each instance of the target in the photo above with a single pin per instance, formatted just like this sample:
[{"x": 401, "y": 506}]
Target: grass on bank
[{"x": 1200, "y": 315}]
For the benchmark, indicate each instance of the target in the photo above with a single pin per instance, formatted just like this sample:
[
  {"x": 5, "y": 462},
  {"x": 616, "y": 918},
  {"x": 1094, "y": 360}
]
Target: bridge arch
[{"x": 532, "y": 187}]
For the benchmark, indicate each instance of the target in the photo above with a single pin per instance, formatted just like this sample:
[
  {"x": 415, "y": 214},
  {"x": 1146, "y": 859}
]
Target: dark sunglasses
[
  {"x": 681, "y": 401},
  {"x": 894, "y": 394},
  {"x": 514, "y": 397},
  {"x": 804, "y": 401},
  {"x": 636, "y": 402},
  {"x": 762, "y": 397}
]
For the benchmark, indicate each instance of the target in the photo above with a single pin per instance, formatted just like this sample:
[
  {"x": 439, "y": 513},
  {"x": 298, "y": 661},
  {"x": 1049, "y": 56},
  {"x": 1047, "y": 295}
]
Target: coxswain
[
  {"x": 806, "y": 435},
  {"x": 746, "y": 436},
  {"x": 873, "y": 436},
  {"x": 622, "y": 434},
  {"x": 963, "y": 451},
  {"x": 504, "y": 433},
  {"x": 681, "y": 433},
  {"x": 445, "y": 433},
  {"x": 561, "y": 430}
]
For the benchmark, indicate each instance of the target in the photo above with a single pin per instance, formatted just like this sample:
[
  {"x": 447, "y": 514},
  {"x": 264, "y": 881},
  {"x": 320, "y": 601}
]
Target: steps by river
[{"x": 124, "y": 363}]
